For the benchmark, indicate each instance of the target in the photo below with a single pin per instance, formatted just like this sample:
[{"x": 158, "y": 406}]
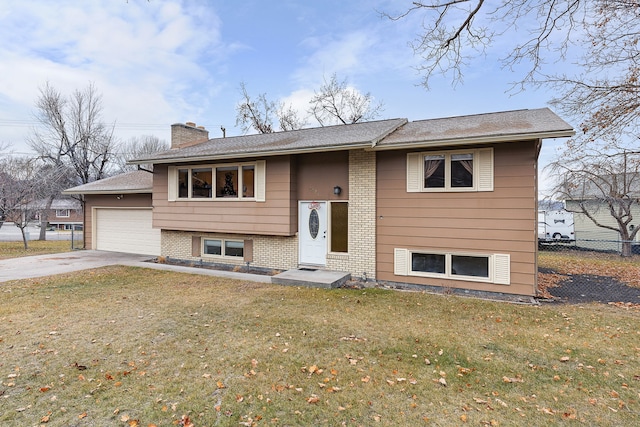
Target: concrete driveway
[
  {"x": 48, "y": 265},
  {"x": 67, "y": 262}
]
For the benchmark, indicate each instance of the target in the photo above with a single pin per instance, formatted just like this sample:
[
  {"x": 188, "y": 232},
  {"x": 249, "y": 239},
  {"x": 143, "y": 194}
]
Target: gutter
[
  {"x": 231, "y": 156},
  {"x": 475, "y": 141}
]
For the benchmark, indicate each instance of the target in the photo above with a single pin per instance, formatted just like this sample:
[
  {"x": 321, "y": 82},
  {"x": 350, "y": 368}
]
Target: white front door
[{"x": 312, "y": 233}]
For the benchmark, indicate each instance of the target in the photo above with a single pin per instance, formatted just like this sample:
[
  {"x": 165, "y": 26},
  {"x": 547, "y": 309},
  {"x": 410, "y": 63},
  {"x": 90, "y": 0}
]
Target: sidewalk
[{"x": 67, "y": 262}]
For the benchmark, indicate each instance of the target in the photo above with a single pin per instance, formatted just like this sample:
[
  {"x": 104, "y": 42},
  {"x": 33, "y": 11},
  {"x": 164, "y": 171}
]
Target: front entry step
[{"x": 311, "y": 278}]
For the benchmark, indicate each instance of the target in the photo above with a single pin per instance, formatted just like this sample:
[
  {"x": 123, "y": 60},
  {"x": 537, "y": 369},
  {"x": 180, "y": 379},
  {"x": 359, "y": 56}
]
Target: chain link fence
[{"x": 587, "y": 270}]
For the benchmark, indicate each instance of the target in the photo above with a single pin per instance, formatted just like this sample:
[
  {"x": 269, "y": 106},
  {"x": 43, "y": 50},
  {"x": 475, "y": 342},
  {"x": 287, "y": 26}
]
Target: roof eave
[
  {"x": 128, "y": 191},
  {"x": 231, "y": 156},
  {"x": 476, "y": 140}
]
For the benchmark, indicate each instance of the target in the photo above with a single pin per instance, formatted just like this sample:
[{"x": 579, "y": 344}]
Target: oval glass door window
[{"x": 314, "y": 224}]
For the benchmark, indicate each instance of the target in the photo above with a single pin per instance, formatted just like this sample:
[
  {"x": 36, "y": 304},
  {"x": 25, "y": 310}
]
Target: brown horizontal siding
[
  {"x": 275, "y": 216},
  {"x": 109, "y": 201},
  {"x": 500, "y": 221},
  {"x": 319, "y": 173}
]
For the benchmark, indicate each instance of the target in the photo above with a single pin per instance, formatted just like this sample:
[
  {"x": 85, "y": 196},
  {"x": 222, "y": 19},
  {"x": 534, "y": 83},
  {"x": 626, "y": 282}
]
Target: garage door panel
[{"x": 126, "y": 230}]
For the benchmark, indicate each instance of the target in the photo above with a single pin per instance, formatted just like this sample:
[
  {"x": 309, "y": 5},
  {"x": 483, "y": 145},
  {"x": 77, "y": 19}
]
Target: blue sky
[{"x": 160, "y": 62}]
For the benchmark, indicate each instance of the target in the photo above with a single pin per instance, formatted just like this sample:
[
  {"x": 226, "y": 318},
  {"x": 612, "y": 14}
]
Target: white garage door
[{"x": 126, "y": 230}]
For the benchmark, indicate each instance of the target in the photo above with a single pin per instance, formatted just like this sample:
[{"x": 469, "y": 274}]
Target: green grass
[
  {"x": 36, "y": 247},
  {"x": 120, "y": 346}
]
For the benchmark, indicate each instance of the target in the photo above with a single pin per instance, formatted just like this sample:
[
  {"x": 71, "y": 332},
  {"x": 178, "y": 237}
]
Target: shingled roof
[
  {"x": 389, "y": 134},
  {"x": 328, "y": 138},
  {"x": 504, "y": 126},
  {"x": 139, "y": 181}
]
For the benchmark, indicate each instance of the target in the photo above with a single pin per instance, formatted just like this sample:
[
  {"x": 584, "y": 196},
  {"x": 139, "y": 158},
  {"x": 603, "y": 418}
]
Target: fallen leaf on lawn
[
  {"x": 564, "y": 359},
  {"x": 82, "y": 415},
  {"x": 44, "y": 389},
  {"x": 186, "y": 422},
  {"x": 313, "y": 399},
  {"x": 220, "y": 384},
  {"x": 512, "y": 380},
  {"x": 390, "y": 382},
  {"x": 463, "y": 418},
  {"x": 46, "y": 418},
  {"x": 134, "y": 423},
  {"x": 443, "y": 381},
  {"x": 124, "y": 418},
  {"x": 365, "y": 379}
]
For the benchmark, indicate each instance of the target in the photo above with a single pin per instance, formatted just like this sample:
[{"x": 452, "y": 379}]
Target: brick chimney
[{"x": 187, "y": 134}]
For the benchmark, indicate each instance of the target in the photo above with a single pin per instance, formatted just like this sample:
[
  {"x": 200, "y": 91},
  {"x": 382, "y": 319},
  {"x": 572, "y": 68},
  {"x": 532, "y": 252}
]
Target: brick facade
[
  {"x": 361, "y": 259},
  {"x": 268, "y": 251}
]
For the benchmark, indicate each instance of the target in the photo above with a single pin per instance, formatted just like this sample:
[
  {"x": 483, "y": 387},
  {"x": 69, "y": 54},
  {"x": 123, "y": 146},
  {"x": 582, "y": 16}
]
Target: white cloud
[{"x": 148, "y": 59}]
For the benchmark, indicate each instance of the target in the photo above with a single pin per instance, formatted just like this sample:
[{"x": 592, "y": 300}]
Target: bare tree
[
  {"x": 255, "y": 114},
  {"x": 593, "y": 179},
  {"x": 337, "y": 103},
  {"x": 604, "y": 95},
  {"x": 71, "y": 136},
  {"x": 20, "y": 189},
  {"x": 71, "y": 132},
  {"x": 138, "y": 147},
  {"x": 288, "y": 117}
]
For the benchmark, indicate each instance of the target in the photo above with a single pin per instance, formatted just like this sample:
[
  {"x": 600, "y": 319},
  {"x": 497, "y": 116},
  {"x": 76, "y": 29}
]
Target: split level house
[{"x": 448, "y": 202}]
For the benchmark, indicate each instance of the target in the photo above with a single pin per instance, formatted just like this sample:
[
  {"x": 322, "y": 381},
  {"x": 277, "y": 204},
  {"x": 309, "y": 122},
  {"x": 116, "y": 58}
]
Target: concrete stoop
[{"x": 310, "y": 277}]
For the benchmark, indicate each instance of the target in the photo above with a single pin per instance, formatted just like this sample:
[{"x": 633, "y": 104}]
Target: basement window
[
  {"x": 223, "y": 248},
  {"x": 492, "y": 268}
]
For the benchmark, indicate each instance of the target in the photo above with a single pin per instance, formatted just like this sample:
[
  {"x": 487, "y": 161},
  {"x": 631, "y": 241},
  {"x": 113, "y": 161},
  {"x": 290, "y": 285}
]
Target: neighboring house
[
  {"x": 588, "y": 234},
  {"x": 65, "y": 213},
  {"x": 591, "y": 236},
  {"x": 446, "y": 202}
]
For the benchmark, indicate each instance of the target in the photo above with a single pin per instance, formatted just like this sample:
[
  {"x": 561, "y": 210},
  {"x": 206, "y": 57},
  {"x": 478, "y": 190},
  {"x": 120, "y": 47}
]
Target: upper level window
[
  {"x": 228, "y": 181},
  {"x": 460, "y": 170},
  {"x": 63, "y": 213}
]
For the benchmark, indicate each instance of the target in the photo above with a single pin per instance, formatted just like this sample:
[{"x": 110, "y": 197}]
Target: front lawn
[
  {"x": 137, "y": 347},
  {"x": 36, "y": 247}
]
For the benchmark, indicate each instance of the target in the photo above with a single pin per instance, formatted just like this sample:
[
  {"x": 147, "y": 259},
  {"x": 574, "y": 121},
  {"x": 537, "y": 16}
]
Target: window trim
[
  {"x": 68, "y": 213},
  {"x": 483, "y": 171},
  {"x": 222, "y": 248},
  {"x": 499, "y": 266},
  {"x": 259, "y": 190},
  {"x": 330, "y": 228}
]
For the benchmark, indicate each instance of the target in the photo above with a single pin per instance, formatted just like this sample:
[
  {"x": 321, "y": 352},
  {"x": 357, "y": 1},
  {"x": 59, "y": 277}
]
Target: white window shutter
[
  {"x": 485, "y": 169},
  {"x": 400, "y": 262},
  {"x": 414, "y": 172},
  {"x": 261, "y": 180},
  {"x": 502, "y": 269},
  {"x": 172, "y": 182}
]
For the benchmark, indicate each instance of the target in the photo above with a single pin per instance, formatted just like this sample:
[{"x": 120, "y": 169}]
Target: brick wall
[
  {"x": 361, "y": 259},
  {"x": 268, "y": 251}
]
